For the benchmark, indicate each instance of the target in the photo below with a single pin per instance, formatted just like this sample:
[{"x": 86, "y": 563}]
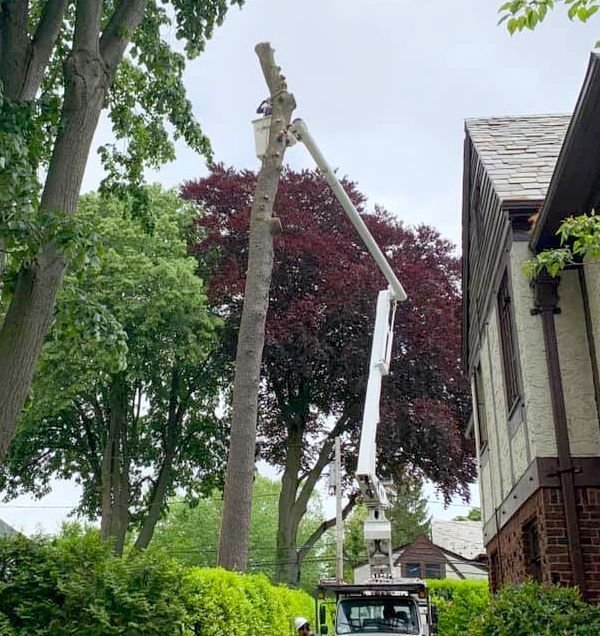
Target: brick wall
[{"x": 509, "y": 553}]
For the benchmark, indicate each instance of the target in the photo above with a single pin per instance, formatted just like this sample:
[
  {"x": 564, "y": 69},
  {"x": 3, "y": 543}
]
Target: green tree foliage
[
  {"x": 407, "y": 514},
  {"x": 74, "y": 584},
  {"x": 459, "y": 603},
  {"x": 124, "y": 399},
  {"x": 535, "y": 610},
  {"x": 473, "y": 515},
  {"x": 62, "y": 63},
  {"x": 191, "y": 534},
  {"x": 579, "y": 239},
  {"x": 527, "y": 14}
]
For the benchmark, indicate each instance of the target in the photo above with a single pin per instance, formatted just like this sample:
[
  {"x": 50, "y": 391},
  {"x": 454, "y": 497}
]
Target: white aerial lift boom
[{"x": 362, "y": 606}]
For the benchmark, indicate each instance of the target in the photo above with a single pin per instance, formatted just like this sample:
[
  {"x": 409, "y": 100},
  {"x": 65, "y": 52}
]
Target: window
[
  {"x": 532, "y": 549},
  {"x": 509, "y": 359},
  {"x": 480, "y": 409},
  {"x": 424, "y": 570},
  {"x": 413, "y": 569},
  {"x": 392, "y": 615},
  {"x": 494, "y": 572},
  {"x": 433, "y": 571}
]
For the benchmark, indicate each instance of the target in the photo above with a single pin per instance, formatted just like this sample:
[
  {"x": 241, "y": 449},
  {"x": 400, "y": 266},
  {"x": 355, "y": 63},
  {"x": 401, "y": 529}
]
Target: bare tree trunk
[
  {"x": 89, "y": 70},
  {"x": 158, "y": 495},
  {"x": 115, "y": 486},
  {"x": 237, "y": 507}
]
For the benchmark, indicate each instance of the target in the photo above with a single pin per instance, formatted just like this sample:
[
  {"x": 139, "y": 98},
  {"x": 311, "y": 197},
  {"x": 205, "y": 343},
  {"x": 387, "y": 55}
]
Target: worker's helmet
[{"x": 300, "y": 622}]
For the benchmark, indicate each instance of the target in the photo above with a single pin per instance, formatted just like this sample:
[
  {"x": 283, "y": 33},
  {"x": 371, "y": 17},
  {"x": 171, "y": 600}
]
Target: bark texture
[
  {"x": 89, "y": 71},
  {"x": 233, "y": 544},
  {"x": 296, "y": 489}
]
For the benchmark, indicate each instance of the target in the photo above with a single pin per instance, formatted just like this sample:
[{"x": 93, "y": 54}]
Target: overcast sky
[{"x": 385, "y": 87}]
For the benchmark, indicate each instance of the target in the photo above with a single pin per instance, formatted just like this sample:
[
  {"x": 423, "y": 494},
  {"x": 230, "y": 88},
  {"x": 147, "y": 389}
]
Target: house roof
[
  {"x": 519, "y": 153},
  {"x": 464, "y": 538},
  {"x": 574, "y": 188},
  {"x": 6, "y": 530}
]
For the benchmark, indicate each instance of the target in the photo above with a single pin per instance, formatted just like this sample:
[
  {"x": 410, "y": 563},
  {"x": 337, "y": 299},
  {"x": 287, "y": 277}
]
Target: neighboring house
[
  {"x": 462, "y": 537},
  {"x": 6, "y": 530},
  {"x": 425, "y": 559},
  {"x": 532, "y": 350}
]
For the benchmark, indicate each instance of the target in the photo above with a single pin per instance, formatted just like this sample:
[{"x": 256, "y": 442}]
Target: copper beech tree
[{"x": 318, "y": 338}]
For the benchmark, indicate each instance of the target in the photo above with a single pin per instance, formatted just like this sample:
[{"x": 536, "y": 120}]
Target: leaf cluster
[
  {"x": 532, "y": 609},
  {"x": 527, "y": 14},
  {"x": 138, "y": 318},
  {"x": 459, "y": 602},
  {"x": 579, "y": 239}
]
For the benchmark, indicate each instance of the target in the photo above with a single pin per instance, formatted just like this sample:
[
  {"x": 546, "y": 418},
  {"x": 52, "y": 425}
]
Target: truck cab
[{"x": 400, "y": 607}]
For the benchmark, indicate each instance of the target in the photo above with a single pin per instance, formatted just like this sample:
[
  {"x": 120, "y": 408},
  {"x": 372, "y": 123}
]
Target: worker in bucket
[
  {"x": 302, "y": 626},
  {"x": 265, "y": 108}
]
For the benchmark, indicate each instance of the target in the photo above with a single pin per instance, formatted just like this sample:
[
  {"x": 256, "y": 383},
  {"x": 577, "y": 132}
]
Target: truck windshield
[{"x": 390, "y": 615}]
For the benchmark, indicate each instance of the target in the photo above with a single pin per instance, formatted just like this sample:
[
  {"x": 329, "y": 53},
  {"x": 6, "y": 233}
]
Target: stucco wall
[
  {"x": 536, "y": 388},
  {"x": 498, "y": 466},
  {"x": 576, "y": 369}
]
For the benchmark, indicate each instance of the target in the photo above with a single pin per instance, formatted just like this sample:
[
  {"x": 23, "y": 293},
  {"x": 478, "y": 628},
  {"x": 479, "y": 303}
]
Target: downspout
[{"x": 546, "y": 306}]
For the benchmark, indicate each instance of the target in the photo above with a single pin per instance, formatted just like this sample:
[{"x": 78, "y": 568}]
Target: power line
[{"x": 182, "y": 503}]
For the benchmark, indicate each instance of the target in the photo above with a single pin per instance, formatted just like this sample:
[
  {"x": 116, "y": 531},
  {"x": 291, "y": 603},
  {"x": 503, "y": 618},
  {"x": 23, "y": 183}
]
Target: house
[
  {"x": 424, "y": 559},
  {"x": 6, "y": 531},
  {"x": 532, "y": 349},
  {"x": 461, "y": 537}
]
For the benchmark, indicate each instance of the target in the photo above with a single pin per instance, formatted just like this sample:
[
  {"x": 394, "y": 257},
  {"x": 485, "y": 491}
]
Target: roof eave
[{"x": 585, "y": 116}]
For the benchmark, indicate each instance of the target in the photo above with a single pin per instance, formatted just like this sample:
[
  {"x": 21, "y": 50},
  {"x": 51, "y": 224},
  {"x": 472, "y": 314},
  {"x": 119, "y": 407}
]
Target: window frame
[
  {"x": 508, "y": 345},
  {"x": 532, "y": 549},
  {"x": 482, "y": 423}
]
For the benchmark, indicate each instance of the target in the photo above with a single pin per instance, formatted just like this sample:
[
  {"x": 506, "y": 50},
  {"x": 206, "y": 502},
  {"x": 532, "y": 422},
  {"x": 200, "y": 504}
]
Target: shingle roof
[
  {"x": 461, "y": 537},
  {"x": 519, "y": 153},
  {"x": 6, "y": 530}
]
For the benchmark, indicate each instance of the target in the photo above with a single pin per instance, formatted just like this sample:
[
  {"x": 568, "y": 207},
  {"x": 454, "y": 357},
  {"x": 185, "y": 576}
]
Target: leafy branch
[
  {"x": 527, "y": 14},
  {"x": 579, "y": 238}
]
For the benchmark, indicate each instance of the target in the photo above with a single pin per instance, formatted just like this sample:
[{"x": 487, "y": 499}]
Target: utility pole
[{"x": 339, "y": 521}]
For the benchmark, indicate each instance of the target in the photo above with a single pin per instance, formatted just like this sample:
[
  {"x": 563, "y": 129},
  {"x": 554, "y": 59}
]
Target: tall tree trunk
[
  {"x": 237, "y": 506},
  {"x": 89, "y": 70},
  {"x": 115, "y": 487},
  {"x": 286, "y": 567}
]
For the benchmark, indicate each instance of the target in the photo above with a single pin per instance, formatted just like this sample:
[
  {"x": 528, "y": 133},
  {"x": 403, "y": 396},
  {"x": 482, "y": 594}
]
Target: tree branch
[
  {"x": 309, "y": 544},
  {"x": 125, "y": 20},
  {"x": 87, "y": 25},
  {"x": 315, "y": 473},
  {"x": 42, "y": 44},
  {"x": 14, "y": 46}
]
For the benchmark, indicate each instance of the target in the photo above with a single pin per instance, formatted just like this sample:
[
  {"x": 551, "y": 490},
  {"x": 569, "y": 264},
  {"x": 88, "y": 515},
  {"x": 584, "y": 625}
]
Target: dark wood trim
[
  {"x": 546, "y": 306},
  {"x": 542, "y": 472},
  {"x": 519, "y": 215},
  {"x": 590, "y": 338}
]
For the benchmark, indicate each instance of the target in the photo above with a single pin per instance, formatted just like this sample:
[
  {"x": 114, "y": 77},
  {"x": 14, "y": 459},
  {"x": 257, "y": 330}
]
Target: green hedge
[
  {"x": 75, "y": 585},
  {"x": 459, "y": 603},
  {"x": 222, "y": 602},
  {"x": 535, "y": 610}
]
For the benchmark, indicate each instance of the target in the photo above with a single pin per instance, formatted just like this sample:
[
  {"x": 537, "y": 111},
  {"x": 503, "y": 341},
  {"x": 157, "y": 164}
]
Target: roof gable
[{"x": 519, "y": 153}]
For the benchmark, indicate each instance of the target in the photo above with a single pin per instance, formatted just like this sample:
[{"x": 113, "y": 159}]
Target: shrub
[
  {"x": 75, "y": 585},
  {"x": 535, "y": 610},
  {"x": 459, "y": 603},
  {"x": 222, "y": 602}
]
